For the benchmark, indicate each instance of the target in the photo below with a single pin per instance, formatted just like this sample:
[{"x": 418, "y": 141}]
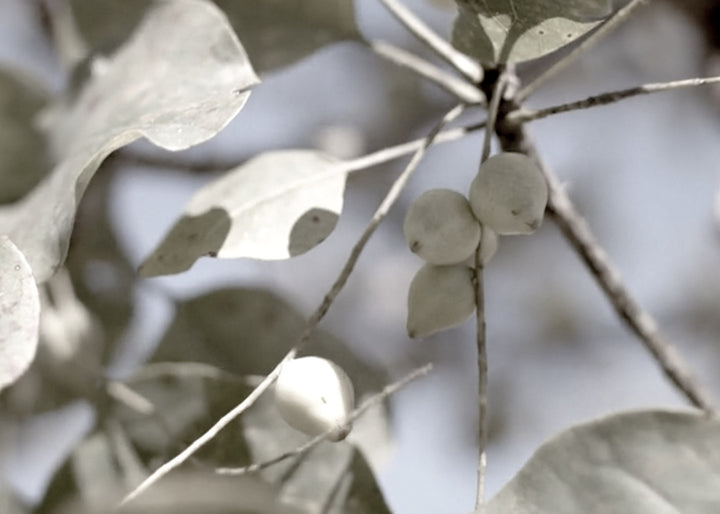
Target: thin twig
[
  {"x": 576, "y": 231},
  {"x": 461, "y": 62},
  {"x": 366, "y": 161},
  {"x": 312, "y": 321},
  {"x": 525, "y": 115},
  {"x": 130, "y": 398},
  {"x": 481, "y": 341},
  {"x": 482, "y": 363},
  {"x": 611, "y": 23},
  {"x": 492, "y": 116},
  {"x": 309, "y": 445},
  {"x": 464, "y": 91}
]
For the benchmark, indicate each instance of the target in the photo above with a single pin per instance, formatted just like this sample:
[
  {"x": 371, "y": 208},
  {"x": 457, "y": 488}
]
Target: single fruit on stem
[
  {"x": 314, "y": 395},
  {"x": 439, "y": 297},
  {"x": 440, "y": 227},
  {"x": 509, "y": 194}
]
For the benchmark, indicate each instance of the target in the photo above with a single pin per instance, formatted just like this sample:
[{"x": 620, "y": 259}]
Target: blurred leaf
[
  {"x": 359, "y": 492},
  {"x": 176, "y": 405},
  {"x": 652, "y": 462},
  {"x": 174, "y": 90},
  {"x": 19, "y": 313},
  {"x": 193, "y": 492},
  {"x": 23, "y": 154},
  {"x": 103, "y": 278},
  {"x": 279, "y": 32},
  {"x": 248, "y": 331},
  {"x": 107, "y": 24},
  {"x": 61, "y": 489},
  {"x": 275, "y": 33},
  {"x": 96, "y": 473},
  {"x": 275, "y": 206},
  {"x": 497, "y": 31}
]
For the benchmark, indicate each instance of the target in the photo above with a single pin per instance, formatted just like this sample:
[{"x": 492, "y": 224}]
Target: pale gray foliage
[
  {"x": 174, "y": 90},
  {"x": 647, "y": 462},
  {"x": 497, "y": 31},
  {"x": 24, "y": 158},
  {"x": 275, "y": 206},
  {"x": 19, "y": 313},
  {"x": 275, "y": 33}
]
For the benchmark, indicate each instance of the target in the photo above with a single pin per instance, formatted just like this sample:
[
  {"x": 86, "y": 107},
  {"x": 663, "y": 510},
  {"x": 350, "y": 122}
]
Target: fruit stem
[{"x": 482, "y": 379}]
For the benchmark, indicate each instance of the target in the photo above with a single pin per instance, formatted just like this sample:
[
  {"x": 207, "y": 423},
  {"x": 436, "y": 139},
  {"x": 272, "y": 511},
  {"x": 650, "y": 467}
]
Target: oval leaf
[
  {"x": 497, "y": 31},
  {"x": 275, "y": 206},
  {"x": 19, "y": 313},
  {"x": 25, "y": 159},
  {"x": 650, "y": 462},
  {"x": 175, "y": 90}
]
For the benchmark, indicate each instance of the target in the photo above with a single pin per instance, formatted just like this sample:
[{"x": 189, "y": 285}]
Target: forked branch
[
  {"x": 312, "y": 443},
  {"x": 461, "y": 62}
]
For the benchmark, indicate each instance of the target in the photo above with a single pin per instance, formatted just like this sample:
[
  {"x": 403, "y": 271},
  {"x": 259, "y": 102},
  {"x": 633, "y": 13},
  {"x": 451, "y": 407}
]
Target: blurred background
[{"x": 644, "y": 172}]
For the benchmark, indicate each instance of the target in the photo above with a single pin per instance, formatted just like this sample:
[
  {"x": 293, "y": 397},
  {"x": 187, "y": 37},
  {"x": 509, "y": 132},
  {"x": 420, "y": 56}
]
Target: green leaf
[
  {"x": 498, "y": 31},
  {"x": 275, "y": 206},
  {"x": 174, "y": 90},
  {"x": 649, "y": 462},
  {"x": 275, "y": 33},
  {"x": 23, "y": 148},
  {"x": 248, "y": 331},
  {"x": 19, "y": 313}
]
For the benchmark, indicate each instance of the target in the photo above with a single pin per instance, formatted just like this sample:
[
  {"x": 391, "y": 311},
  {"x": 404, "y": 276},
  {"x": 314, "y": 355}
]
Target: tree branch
[
  {"x": 610, "y": 24},
  {"x": 380, "y": 214},
  {"x": 514, "y": 137},
  {"x": 480, "y": 340},
  {"x": 525, "y": 115},
  {"x": 312, "y": 443},
  {"x": 461, "y": 62},
  {"x": 459, "y": 88}
]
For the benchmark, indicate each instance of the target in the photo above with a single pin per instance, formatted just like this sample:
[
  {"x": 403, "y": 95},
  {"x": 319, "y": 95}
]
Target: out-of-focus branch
[
  {"x": 458, "y": 87},
  {"x": 461, "y": 62},
  {"x": 514, "y": 137}
]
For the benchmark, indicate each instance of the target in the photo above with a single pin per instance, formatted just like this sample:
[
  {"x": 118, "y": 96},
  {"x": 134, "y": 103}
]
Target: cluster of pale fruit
[
  {"x": 508, "y": 196},
  {"x": 444, "y": 228}
]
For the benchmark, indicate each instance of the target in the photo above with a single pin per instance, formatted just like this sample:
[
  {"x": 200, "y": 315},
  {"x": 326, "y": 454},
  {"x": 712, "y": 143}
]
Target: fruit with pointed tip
[
  {"x": 440, "y": 227},
  {"x": 509, "y": 194},
  {"x": 314, "y": 395},
  {"x": 439, "y": 297}
]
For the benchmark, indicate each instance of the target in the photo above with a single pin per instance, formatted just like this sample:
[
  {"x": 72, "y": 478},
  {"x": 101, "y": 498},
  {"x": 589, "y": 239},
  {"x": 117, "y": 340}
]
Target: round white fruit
[
  {"x": 440, "y": 227},
  {"x": 509, "y": 194},
  {"x": 439, "y": 297},
  {"x": 314, "y": 395}
]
